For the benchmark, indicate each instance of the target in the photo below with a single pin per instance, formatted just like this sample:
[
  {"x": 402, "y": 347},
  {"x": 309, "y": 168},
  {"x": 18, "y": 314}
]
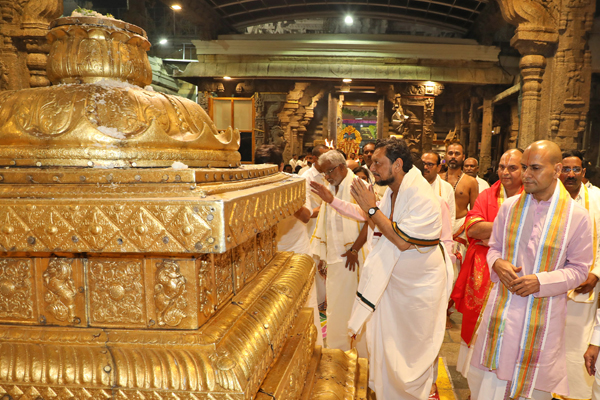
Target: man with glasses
[
  {"x": 582, "y": 302},
  {"x": 338, "y": 245}
]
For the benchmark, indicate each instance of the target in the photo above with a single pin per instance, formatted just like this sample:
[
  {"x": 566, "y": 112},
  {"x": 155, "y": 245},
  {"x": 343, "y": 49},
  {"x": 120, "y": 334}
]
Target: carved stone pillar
[
  {"x": 485, "y": 157},
  {"x": 23, "y": 47},
  {"x": 514, "y": 125},
  {"x": 473, "y": 128},
  {"x": 332, "y": 117},
  {"x": 380, "y": 117},
  {"x": 532, "y": 69}
]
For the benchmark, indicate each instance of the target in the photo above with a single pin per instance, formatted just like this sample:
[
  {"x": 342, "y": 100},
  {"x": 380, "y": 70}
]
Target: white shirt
[{"x": 482, "y": 184}]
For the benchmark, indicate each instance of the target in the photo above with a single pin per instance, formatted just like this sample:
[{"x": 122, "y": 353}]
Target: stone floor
[{"x": 449, "y": 353}]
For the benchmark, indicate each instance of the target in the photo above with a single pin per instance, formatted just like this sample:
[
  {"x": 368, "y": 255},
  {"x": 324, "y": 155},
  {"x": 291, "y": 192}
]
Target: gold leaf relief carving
[
  {"x": 153, "y": 108},
  {"x": 223, "y": 276},
  {"x": 89, "y": 55},
  {"x": 239, "y": 265},
  {"x": 118, "y": 213},
  {"x": 190, "y": 227},
  {"x": 59, "y": 289},
  {"x": 13, "y": 232},
  {"x": 224, "y": 369},
  {"x": 170, "y": 294},
  {"x": 96, "y": 229},
  {"x": 163, "y": 213},
  {"x": 102, "y": 110},
  {"x": 48, "y": 115},
  {"x": 116, "y": 291},
  {"x": 16, "y": 292},
  {"x": 51, "y": 228},
  {"x": 74, "y": 214},
  {"x": 30, "y": 213},
  {"x": 206, "y": 286},
  {"x": 142, "y": 229},
  {"x": 250, "y": 251}
]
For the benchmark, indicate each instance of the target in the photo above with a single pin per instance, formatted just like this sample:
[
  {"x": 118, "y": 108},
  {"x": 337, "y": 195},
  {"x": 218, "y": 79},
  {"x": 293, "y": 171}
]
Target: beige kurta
[{"x": 581, "y": 312}]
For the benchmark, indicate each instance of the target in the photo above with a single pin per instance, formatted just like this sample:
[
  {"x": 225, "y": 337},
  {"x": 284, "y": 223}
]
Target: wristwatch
[{"x": 372, "y": 211}]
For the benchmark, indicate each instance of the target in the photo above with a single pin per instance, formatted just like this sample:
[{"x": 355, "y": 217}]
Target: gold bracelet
[{"x": 353, "y": 250}]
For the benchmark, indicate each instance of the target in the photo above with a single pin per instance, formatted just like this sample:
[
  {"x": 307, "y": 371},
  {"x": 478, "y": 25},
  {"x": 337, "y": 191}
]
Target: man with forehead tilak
[
  {"x": 540, "y": 248},
  {"x": 582, "y": 302},
  {"x": 473, "y": 283},
  {"x": 402, "y": 295}
]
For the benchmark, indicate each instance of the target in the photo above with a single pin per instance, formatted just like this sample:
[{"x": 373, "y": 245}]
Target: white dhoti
[
  {"x": 341, "y": 286},
  {"x": 578, "y": 330},
  {"x": 411, "y": 311},
  {"x": 465, "y": 353},
  {"x": 485, "y": 385}
]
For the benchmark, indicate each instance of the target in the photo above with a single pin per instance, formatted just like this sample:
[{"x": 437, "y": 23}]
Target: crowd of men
[{"x": 399, "y": 242}]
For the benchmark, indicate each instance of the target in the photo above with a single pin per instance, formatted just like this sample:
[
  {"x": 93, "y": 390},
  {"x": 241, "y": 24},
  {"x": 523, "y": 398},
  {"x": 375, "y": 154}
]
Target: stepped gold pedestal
[{"x": 121, "y": 278}]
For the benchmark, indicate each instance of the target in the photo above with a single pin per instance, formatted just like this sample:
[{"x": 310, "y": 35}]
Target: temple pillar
[
  {"x": 552, "y": 36},
  {"x": 332, "y": 117},
  {"x": 23, "y": 47},
  {"x": 473, "y": 127},
  {"x": 380, "y": 117},
  {"x": 464, "y": 140},
  {"x": 485, "y": 155},
  {"x": 514, "y": 125}
]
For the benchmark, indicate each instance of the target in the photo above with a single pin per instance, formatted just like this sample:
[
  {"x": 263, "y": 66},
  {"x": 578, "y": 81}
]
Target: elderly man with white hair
[{"x": 338, "y": 243}]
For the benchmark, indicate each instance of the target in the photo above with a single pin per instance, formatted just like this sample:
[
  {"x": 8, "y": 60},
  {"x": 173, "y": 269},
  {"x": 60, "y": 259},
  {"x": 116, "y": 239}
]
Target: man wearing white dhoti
[
  {"x": 583, "y": 301},
  {"x": 402, "y": 295},
  {"x": 337, "y": 243},
  {"x": 291, "y": 232}
]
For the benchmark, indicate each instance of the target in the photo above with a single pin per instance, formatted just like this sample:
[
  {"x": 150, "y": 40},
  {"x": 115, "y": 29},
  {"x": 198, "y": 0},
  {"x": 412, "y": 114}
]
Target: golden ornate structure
[{"x": 124, "y": 279}]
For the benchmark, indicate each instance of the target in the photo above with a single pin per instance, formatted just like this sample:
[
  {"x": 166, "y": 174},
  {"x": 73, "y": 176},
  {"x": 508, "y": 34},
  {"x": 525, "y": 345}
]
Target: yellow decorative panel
[
  {"x": 61, "y": 288},
  {"x": 171, "y": 298},
  {"x": 18, "y": 297},
  {"x": 116, "y": 292}
]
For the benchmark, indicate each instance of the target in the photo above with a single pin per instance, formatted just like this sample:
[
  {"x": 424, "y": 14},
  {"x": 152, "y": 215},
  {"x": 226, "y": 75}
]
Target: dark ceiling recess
[{"x": 459, "y": 14}]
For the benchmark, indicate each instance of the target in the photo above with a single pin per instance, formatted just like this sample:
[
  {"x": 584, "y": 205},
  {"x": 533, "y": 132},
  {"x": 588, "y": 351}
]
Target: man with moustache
[
  {"x": 466, "y": 190},
  {"x": 402, "y": 294},
  {"x": 540, "y": 248},
  {"x": 473, "y": 281},
  {"x": 471, "y": 168},
  {"x": 338, "y": 246},
  {"x": 582, "y": 302},
  {"x": 368, "y": 150},
  {"x": 431, "y": 169}
]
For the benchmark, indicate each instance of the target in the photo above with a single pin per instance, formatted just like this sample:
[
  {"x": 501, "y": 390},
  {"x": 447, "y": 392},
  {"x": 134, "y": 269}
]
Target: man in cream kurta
[
  {"x": 336, "y": 243},
  {"x": 402, "y": 295},
  {"x": 582, "y": 302}
]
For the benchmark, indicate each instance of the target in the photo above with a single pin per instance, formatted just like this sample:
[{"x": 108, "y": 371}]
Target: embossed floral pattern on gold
[
  {"x": 16, "y": 291},
  {"x": 116, "y": 291}
]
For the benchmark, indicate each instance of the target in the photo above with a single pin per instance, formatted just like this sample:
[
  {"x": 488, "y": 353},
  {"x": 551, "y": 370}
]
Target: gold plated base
[{"x": 227, "y": 358}]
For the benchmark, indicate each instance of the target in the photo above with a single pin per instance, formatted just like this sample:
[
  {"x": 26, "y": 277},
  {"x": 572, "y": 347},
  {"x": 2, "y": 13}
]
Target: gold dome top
[{"x": 97, "y": 114}]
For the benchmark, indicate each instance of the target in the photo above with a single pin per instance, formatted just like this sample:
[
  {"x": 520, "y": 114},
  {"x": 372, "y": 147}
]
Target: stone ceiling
[{"x": 238, "y": 14}]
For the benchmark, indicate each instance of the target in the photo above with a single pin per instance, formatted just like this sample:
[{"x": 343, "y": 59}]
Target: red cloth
[{"x": 473, "y": 282}]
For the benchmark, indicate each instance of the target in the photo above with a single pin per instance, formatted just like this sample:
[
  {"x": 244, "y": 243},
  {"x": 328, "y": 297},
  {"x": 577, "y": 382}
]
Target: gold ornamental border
[
  {"x": 130, "y": 221},
  {"x": 230, "y": 355}
]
